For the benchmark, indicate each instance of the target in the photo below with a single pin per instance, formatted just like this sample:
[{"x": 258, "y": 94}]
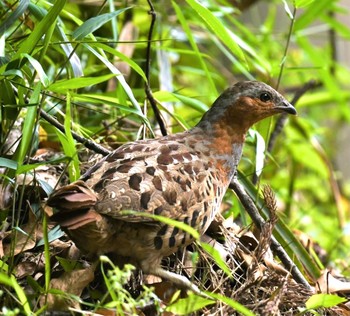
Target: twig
[
  {"x": 253, "y": 212},
  {"x": 281, "y": 121},
  {"x": 86, "y": 142},
  {"x": 148, "y": 90},
  {"x": 287, "y": 46}
]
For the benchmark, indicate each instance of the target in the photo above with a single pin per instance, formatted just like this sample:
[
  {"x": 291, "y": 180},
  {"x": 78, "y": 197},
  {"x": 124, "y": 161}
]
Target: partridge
[{"x": 183, "y": 177}]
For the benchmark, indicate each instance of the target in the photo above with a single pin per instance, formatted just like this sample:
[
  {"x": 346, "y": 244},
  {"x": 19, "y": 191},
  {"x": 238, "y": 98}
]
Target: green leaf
[
  {"x": 95, "y": 23},
  {"x": 67, "y": 264},
  {"x": 194, "y": 45},
  {"x": 64, "y": 85},
  {"x": 21, "y": 8},
  {"x": 40, "y": 29},
  {"x": 216, "y": 256},
  {"x": 324, "y": 300},
  {"x": 100, "y": 98},
  {"x": 124, "y": 58},
  {"x": 69, "y": 146},
  {"x": 74, "y": 60},
  {"x": 337, "y": 26},
  {"x": 302, "y": 3},
  {"x": 12, "y": 282},
  {"x": 172, "y": 222},
  {"x": 53, "y": 234},
  {"x": 230, "y": 302},
  {"x": 188, "y": 305},
  {"x": 312, "y": 12},
  {"x": 28, "y": 127},
  {"x": 217, "y": 27},
  {"x": 39, "y": 69},
  {"x": 165, "y": 96},
  {"x": 124, "y": 84},
  {"x": 8, "y": 163}
]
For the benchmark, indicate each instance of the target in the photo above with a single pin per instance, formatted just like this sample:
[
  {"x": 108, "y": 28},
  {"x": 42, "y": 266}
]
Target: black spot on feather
[
  {"x": 134, "y": 181},
  {"x": 145, "y": 197}
]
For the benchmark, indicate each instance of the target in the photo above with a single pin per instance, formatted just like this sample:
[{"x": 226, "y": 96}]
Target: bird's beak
[{"x": 285, "y": 106}]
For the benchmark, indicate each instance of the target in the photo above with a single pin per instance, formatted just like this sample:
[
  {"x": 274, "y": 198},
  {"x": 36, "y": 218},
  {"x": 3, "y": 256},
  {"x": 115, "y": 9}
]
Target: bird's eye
[{"x": 265, "y": 97}]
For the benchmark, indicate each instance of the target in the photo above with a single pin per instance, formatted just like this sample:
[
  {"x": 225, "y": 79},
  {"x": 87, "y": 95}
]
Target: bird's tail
[{"x": 75, "y": 204}]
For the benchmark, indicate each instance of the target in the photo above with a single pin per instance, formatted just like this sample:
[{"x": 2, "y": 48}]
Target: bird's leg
[{"x": 177, "y": 279}]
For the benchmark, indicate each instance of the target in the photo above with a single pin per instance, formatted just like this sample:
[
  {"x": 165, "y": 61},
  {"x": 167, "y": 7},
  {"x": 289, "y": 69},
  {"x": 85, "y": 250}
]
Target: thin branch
[
  {"x": 86, "y": 142},
  {"x": 148, "y": 90},
  {"x": 253, "y": 212},
  {"x": 287, "y": 46}
]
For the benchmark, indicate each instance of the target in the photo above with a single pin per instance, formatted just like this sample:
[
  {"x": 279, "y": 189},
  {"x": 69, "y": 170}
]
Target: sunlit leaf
[
  {"x": 188, "y": 305},
  {"x": 312, "y": 12},
  {"x": 232, "y": 303},
  {"x": 302, "y": 3},
  {"x": 193, "y": 43},
  {"x": 215, "y": 254},
  {"x": 324, "y": 300},
  {"x": 216, "y": 26}
]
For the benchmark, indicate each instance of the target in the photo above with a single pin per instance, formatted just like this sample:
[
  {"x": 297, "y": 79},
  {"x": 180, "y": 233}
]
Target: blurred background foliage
[{"x": 84, "y": 62}]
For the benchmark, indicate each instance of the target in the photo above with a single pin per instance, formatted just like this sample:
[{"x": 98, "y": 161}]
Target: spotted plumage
[{"x": 182, "y": 176}]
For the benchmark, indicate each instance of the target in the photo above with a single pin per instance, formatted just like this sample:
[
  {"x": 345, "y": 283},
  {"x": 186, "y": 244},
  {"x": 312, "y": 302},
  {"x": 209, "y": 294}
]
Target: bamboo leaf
[
  {"x": 189, "y": 305},
  {"x": 28, "y": 127},
  {"x": 64, "y": 85},
  {"x": 39, "y": 69},
  {"x": 124, "y": 84},
  {"x": 124, "y": 58},
  {"x": 312, "y": 13},
  {"x": 216, "y": 256},
  {"x": 95, "y": 23},
  {"x": 194, "y": 45},
  {"x": 40, "y": 29},
  {"x": 20, "y": 9},
  {"x": 324, "y": 300},
  {"x": 230, "y": 302},
  {"x": 59, "y": 34},
  {"x": 8, "y": 163},
  {"x": 302, "y": 3},
  {"x": 217, "y": 27}
]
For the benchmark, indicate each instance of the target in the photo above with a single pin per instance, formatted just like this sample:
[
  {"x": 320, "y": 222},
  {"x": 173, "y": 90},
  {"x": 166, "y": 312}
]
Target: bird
[{"x": 182, "y": 176}]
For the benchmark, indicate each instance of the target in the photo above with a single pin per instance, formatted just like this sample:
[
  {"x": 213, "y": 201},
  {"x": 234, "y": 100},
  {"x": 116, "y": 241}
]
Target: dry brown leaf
[
  {"x": 216, "y": 245},
  {"x": 43, "y": 173},
  {"x": 327, "y": 283},
  {"x": 165, "y": 291},
  {"x": 70, "y": 283},
  {"x": 24, "y": 269},
  {"x": 23, "y": 241},
  {"x": 6, "y": 195}
]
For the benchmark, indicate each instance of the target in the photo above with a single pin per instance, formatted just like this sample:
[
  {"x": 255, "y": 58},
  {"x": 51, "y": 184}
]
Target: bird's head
[{"x": 246, "y": 103}]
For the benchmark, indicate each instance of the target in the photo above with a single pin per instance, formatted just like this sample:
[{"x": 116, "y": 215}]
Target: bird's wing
[{"x": 163, "y": 177}]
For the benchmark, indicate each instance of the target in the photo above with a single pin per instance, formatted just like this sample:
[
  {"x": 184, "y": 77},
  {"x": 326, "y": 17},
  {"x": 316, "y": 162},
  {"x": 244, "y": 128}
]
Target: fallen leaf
[{"x": 69, "y": 284}]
